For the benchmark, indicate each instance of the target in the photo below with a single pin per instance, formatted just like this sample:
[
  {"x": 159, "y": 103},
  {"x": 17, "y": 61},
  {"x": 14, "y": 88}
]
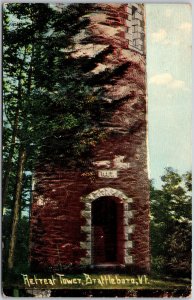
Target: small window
[{"x": 134, "y": 9}]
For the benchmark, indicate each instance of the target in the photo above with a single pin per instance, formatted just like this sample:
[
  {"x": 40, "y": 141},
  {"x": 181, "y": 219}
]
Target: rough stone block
[
  {"x": 125, "y": 206},
  {"x": 88, "y": 253},
  {"x": 128, "y": 23},
  {"x": 85, "y": 245},
  {"x": 129, "y": 229},
  {"x": 128, "y": 244},
  {"x": 137, "y": 49},
  {"x": 138, "y": 16},
  {"x": 92, "y": 196},
  {"x": 129, "y": 9},
  {"x": 125, "y": 221},
  {"x": 129, "y": 17},
  {"x": 128, "y": 260},
  {"x": 140, "y": 29},
  {"x": 104, "y": 192},
  {"x": 136, "y": 35},
  {"x": 88, "y": 207},
  {"x": 88, "y": 237},
  {"x": 126, "y": 236},
  {"x": 139, "y": 42},
  {"x": 88, "y": 222},
  {"x": 129, "y": 200},
  {"x": 127, "y": 252},
  {"x": 129, "y": 214},
  {"x": 85, "y": 261},
  {"x": 86, "y": 214},
  {"x": 129, "y": 36},
  {"x": 86, "y": 229},
  {"x": 136, "y": 22},
  {"x": 135, "y": 5}
]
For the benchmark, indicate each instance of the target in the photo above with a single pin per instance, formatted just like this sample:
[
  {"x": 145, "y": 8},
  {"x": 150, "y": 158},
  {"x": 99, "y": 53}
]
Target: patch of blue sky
[{"x": 169, "y": 75}]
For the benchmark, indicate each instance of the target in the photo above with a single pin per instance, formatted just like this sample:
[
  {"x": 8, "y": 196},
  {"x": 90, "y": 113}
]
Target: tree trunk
[
  {"x": 21, "y": 163},
  {"x": 14, "y": 135},
  {"x": 19, "y": 179},
  {"x": 9, "y": 161}
]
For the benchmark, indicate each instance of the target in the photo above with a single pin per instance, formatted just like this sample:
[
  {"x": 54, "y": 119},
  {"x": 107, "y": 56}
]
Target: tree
[
  {"x": 19, "y": 21},
  {"x": 54, "y": 104},
  {"x": 171, "y": 223},
  {"x": 39, "y": 79}
]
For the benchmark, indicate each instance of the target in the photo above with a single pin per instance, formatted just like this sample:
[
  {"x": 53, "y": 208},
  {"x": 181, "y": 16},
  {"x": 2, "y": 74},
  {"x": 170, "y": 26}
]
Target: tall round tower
[{"x": 103, "y": 221}]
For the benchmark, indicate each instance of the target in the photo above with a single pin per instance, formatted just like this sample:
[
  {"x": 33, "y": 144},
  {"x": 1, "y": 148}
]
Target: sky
[{"x": 169, "y": 65}]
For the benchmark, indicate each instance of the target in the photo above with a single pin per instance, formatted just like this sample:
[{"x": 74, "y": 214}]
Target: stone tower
[{"x": 106, "y": 220}]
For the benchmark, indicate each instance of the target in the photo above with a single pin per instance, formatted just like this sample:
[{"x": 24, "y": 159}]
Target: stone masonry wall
[{"x": 61, "y": 209}]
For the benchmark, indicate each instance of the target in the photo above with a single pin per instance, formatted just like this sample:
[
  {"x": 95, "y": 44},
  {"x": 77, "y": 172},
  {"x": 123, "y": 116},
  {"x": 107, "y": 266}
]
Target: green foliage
[
  {"x": 22, "y": 247},
  {"x": 171, "y": 224},
  {"x": 59, "y": 110},
  {"x": 50, "y": 108}
]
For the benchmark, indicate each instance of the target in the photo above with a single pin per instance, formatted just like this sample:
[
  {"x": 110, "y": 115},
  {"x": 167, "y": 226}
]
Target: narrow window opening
[{"x": 134, "y": 9}]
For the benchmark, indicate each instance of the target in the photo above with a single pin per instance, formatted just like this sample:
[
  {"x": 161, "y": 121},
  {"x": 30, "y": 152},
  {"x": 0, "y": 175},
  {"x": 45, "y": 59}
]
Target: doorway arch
[{"x": 126, "y": 225}]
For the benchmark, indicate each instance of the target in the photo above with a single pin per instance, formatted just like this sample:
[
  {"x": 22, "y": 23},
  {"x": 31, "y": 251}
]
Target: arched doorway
[
  {"x": 124, "y": 225},
  {"x": 107, "y": 230}
]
